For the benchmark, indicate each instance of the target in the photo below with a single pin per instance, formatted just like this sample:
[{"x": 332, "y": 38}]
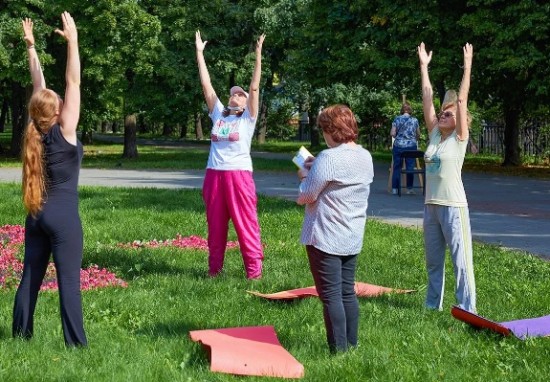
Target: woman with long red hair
[{"x": 51, "y": 163}]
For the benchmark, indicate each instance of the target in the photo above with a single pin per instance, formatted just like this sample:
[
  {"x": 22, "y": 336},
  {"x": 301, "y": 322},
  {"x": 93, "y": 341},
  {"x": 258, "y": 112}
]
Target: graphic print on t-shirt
[{"x": 225, "y": 131}]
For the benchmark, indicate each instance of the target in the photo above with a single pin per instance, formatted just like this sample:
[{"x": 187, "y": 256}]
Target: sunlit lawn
[{"x": 140, "y": 333}]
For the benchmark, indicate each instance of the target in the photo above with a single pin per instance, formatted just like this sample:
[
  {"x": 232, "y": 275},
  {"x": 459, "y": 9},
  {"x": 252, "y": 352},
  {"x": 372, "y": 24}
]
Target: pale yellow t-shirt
[{"x": 444, "y": 162}]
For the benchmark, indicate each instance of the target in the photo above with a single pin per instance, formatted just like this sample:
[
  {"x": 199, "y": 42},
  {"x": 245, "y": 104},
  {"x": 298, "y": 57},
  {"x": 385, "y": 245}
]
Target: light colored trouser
[
  {"x": 449, "y": 226},
  {"x": 232, "y": 195}
]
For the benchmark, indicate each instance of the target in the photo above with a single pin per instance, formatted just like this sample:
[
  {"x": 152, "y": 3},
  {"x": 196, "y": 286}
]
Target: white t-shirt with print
[{"x": 231, "y": 138}]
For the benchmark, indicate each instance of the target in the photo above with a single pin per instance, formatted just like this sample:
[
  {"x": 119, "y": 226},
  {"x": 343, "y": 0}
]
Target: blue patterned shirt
[{"x": 406, "y": 127}]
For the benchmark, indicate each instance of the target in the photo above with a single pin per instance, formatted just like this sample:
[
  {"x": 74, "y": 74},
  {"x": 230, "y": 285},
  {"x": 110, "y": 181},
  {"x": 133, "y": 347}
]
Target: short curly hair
[{"x": 339, "y": 122}]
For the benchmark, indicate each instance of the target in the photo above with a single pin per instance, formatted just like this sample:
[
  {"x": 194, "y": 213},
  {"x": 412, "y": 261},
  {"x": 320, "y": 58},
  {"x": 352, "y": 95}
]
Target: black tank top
[{"x": 62, "y": 163}]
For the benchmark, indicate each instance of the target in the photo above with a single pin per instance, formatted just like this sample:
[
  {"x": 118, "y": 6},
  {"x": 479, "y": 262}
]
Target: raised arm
[
  {"x": 462, "y": 128},
  {"x": 254, "y": 91},
  {"x": 38, "y": 81},
  {"x": 430, "y": 116},
  {"x": 70, "y": 113},
  {"x": 209, "y": 94}
]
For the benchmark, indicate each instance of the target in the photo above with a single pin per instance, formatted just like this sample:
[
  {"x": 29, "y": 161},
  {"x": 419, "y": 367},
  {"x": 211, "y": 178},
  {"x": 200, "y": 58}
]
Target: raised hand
[
  {"x": 424, "y": 57},
  {"x": 69, "y": 32},
  {"x": 199, "y": 44},
  {"x": 468, "y": 54},
  {"x": 28, "y": 35},
  {"x": 260, "y": 42}
]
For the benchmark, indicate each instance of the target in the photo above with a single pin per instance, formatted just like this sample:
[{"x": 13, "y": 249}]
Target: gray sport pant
[{"x": 449, "y": 226}]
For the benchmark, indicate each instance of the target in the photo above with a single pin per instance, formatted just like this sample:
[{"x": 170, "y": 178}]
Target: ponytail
[
  {"x": 43, "y": 109},
  {"x": 33, "y": 185}
]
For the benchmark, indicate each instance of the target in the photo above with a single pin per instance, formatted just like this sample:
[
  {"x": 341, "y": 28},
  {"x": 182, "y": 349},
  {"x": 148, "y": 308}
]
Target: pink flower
[
  {"x": 189, "y": 242},
  {"x": 11, "y": 268}
]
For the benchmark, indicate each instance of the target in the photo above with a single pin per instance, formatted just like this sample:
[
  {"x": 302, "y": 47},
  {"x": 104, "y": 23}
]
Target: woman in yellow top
[{"x": 446, "y": 215}]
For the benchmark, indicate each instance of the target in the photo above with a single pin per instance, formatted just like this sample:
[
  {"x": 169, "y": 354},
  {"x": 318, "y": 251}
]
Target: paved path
[{"x": 513, "y": 212}]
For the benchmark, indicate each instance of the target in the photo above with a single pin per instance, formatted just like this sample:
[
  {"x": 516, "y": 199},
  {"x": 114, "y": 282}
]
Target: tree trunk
[
  {"x": 198, "y": 127},
  {"x": 104, "y": 125},
  {"x": 18, "y": 117},
  {"x": 314, "y": 135},
  {"x": 166, "y": 130},
  {"x": 183, "y": 129},
  {"x": 511, "y": 136},
  {"x": 3, "y": 115},
  {"x": 142, "y": 126},
  {"x": 130, "y": 137},
  {"x": 263, "y": 123},
  {"x": 114, "y": 127}
]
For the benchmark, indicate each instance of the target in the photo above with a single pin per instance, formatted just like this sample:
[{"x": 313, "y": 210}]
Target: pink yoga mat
[{"x": 254, "y": 350}]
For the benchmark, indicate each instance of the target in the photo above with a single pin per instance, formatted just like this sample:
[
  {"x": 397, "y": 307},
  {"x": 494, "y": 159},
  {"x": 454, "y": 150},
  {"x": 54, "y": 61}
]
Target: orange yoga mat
[
  {"x": 254, "y": 350},
  {"x": 361, "y": 289}
]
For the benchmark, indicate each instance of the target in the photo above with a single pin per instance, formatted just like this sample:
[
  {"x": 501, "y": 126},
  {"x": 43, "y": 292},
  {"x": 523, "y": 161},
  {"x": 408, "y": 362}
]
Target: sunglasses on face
[{"x": 446, "y": 114}]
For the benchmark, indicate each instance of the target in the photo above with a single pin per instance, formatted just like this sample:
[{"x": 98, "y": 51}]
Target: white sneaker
[
  {"x": 411, "y": 192},
  {"x": 394, "y": 191}
]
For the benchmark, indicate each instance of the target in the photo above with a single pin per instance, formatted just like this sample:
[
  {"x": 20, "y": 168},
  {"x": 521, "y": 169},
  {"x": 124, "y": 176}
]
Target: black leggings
[
  {"x": 334, "y": 278},
  {"x": 57, "y": 230}
]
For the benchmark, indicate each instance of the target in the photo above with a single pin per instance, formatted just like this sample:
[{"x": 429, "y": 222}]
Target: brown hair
[
  {"x": 406, "y": 108},
  {"x": 339, "y": 122},
  {"x": 43, "y": 108}
]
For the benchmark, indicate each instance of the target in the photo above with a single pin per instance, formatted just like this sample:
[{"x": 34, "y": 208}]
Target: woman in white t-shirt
[
  {"x": 446, "y": 215},
  {"x": 229, "y": 191}
]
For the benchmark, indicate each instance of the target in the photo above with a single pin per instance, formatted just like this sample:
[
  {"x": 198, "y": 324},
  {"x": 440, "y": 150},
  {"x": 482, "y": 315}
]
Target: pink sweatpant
[{"x": 232, "y": 195}]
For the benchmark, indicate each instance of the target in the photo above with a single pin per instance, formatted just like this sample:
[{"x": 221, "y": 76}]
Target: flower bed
[
  {"x": 12, "y": 238},
  {"x": 189, "y": 242}
]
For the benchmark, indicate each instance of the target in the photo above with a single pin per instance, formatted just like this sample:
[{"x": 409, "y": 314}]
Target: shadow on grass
[
  {"x": 396, "y": 300},
  {"x": 198, "y": 355},
  {"x": 126, "y": 200},
  {"x": 168, "y": 329},
  {"x": 132, "y": 263}
]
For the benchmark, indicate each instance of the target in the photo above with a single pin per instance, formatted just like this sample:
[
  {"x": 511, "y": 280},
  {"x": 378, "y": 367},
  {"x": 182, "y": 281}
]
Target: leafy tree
[
  {"x": 14, "y": 72},
  {"x": 512, "y": 55}
]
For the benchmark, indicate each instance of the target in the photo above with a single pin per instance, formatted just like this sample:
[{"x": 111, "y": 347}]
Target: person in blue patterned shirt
[{"x": 405, "y": 131}]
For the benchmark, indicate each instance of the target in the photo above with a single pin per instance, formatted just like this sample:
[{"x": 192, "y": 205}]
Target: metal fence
[
  {"x": 534, "y": 138},
  {"x": 375, "y": 136}
]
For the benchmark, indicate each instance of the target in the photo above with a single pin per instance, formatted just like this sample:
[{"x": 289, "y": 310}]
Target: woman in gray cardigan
[{"x": 335, "y": 188}]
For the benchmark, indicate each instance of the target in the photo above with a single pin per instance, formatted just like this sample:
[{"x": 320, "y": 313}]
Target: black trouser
[
  {"x": 57, "y": 230},
  {"x": 334, "y": 278}
]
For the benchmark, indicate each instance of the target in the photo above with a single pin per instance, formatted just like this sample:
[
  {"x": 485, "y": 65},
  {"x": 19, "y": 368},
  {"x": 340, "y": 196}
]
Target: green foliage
[
  {"x": 138, "y": 56},
  {"x": 280, "y": 113}
]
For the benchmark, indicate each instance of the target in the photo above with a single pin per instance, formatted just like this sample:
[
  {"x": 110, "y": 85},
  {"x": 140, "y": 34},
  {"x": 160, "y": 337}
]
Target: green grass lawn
[{"x": 140, "y": 333}]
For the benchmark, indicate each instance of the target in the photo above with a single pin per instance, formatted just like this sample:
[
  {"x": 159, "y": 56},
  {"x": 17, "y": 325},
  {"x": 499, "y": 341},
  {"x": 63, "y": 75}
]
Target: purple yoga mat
[{"x": 530, "y": 327}]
